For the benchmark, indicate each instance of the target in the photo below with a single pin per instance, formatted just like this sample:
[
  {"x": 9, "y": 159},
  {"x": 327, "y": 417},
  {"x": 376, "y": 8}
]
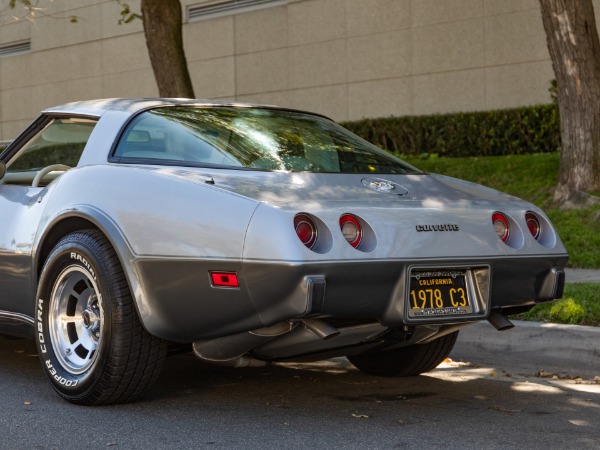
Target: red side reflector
[{"x": 224, "y": 279}]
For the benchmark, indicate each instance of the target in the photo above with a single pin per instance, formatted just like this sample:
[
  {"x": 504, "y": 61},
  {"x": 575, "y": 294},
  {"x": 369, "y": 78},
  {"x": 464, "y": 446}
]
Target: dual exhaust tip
[
  {"x": 321, "y": 328},
  {"x": 500, "y": 321}
]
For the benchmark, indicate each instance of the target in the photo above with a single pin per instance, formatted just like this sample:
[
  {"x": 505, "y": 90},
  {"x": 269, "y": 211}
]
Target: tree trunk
[
  {"x": 162, "y": 27},
  {"x": 575, "y": 52}
]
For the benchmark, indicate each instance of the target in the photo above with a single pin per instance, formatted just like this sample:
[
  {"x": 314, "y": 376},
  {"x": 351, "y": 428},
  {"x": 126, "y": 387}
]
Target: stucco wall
[{"x": 344, "y": 58}]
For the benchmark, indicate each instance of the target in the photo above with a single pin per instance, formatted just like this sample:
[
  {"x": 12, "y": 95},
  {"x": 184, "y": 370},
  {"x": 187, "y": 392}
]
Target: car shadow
[
  {"x": 325, "y": 387},
  {"x": 196, "y": 405}
]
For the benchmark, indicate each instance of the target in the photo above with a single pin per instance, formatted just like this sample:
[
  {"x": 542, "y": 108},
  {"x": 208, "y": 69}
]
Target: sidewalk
[
  {"x": 532, "y": 346},
  {"x": 582, "y": 275}
]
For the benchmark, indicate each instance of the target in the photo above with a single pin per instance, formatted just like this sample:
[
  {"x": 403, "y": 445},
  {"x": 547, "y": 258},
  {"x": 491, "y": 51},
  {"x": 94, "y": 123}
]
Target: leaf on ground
[
  {"x": 554, "y": 376},
  {"x": 360, "y": 416},
  {"x": 464, "y": 364},
  {"x": 505, "y": 410}
]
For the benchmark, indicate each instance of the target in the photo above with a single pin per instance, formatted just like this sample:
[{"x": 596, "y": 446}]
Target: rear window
[{"x": 251, "y": 138}]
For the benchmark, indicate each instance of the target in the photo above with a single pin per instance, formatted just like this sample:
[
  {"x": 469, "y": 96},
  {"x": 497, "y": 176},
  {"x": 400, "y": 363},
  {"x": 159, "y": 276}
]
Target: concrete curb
[
  {"x": 582, "y": 275},
  {"x": 532, "y": 346}
]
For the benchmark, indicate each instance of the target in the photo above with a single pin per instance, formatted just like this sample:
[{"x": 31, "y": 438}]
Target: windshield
[{"x": 252, "y": 138}]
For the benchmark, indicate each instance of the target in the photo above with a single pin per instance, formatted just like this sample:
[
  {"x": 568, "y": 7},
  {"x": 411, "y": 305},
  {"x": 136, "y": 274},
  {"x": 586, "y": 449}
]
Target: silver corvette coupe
[{"x": 247, "y": 234}]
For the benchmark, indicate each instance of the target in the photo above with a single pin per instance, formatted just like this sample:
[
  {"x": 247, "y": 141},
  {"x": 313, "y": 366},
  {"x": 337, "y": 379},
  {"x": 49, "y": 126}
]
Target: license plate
[{"x": 435, "y": 293}]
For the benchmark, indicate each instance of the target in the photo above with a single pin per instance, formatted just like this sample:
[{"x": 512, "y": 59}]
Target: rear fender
[{"x": 85, "y": 216}]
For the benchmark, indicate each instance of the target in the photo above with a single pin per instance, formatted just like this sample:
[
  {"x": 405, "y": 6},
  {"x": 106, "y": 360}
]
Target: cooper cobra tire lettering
[
  {"x": 40, "y": 327},
  {"x": 59, "y": 379}
]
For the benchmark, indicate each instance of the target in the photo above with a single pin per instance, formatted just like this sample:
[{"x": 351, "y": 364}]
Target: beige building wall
[{"x": 348, "y": 59}]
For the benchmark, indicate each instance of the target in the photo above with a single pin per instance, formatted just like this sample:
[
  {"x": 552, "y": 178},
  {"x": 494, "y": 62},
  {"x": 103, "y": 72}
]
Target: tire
[
  {"x": 405, "y": 361},
  {"x": 90, "y": 340}
]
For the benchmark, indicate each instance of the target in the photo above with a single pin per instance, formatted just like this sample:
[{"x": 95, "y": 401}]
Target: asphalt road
[{"x": 319, "y": 405}]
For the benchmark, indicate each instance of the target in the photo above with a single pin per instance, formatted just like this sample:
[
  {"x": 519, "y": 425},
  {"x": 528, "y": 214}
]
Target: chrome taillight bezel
[
  {"x": 304, "y": 223},
  {"x": 348, "y": 221},
  {"x": 534, "y": 224},
  {"x": 501, "y": 220}
]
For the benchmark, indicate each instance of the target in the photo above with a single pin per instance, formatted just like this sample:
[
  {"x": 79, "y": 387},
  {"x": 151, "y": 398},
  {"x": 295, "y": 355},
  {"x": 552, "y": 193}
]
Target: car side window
[{"x": 60, "y": 142}]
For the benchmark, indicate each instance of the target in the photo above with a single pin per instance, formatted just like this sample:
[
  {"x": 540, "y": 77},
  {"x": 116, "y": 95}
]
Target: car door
[{"x": 49, "y": 141}]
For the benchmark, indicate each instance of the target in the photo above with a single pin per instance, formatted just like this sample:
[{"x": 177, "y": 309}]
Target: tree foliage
[{"x": 127, "y": 15}]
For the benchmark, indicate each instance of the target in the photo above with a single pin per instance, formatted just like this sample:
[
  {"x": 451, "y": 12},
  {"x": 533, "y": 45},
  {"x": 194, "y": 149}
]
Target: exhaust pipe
[
  {"x": 321, "y": 328},
  {"x": 231, "y": 350},
  {"x": 499, "y": 321},
  {"x": 236, "y": 363}
]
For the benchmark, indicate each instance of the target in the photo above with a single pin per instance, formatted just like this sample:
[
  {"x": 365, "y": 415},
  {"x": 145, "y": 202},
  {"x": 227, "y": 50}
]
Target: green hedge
[{"x": 534, "y": 129}]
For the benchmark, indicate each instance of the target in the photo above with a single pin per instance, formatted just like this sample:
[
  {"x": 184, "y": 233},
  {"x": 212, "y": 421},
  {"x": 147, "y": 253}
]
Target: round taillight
[
  {"x": 501, "y": 226},
  {"x": 351, "y": 229},
  {"x": 306, "y": 230},
  {"x": 533, "y": 224}
]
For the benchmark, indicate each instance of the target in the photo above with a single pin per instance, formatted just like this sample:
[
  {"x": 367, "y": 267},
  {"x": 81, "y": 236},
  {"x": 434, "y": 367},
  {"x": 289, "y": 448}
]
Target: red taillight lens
[
  {"x": 533, "y": 224},
  {"x": 306, "y": 230},
  {"x": 501, "y": 226},
  {"x": 351, "y": 229}
]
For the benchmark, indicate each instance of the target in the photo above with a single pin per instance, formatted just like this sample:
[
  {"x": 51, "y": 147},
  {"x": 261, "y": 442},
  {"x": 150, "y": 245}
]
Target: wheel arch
[
  {"x": 88, "y": 217},
  {"x": 55, "y": 233},
  {"x": 77, "y": 219}
]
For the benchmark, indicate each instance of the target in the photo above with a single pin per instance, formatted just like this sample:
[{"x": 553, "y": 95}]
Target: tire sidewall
[{"x": 69, "y": 253}]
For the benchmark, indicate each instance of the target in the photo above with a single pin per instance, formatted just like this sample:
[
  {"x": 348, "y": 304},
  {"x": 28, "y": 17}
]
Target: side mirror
[{"x": 2, "y": 169}]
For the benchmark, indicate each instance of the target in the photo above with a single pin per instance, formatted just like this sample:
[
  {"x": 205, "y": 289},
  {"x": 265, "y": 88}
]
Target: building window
[
  {"x": 15, "y": 48},
  {"x": 225, "y": 8}
]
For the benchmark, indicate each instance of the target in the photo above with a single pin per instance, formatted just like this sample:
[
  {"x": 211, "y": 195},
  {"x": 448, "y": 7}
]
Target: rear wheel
[
  {"x": 405, "y": 361},
  {"x": 90, "y": 340}
]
